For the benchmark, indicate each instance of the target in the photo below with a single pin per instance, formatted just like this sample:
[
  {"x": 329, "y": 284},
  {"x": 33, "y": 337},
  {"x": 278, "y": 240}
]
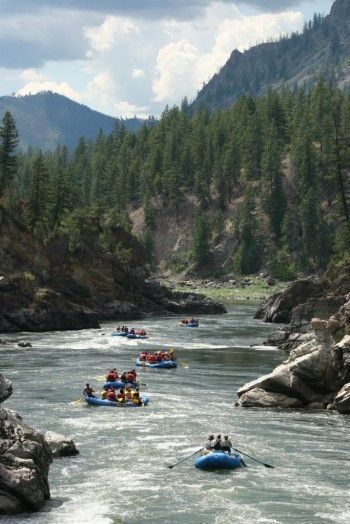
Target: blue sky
[{"x": 132, "y": 57}]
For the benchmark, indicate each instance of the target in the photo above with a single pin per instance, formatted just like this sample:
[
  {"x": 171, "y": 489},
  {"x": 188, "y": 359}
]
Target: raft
[
  {"x": 119, "y": 334},
  {"x": 163, "y": 364},
  {"x": 218, "y": 460},
  {"x": 93, "y": 401},
  {"x": 117, "y": 384},
  {"x": 139, "y": 337},
  {"x": 195, "y": 325}
]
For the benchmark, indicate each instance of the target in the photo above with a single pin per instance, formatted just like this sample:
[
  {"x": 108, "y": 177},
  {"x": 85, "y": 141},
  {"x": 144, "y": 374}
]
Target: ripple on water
[{"x": 121, "y": 474}]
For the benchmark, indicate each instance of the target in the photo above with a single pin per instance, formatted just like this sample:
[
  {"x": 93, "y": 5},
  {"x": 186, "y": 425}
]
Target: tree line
[{"x": 276, "y": 167}]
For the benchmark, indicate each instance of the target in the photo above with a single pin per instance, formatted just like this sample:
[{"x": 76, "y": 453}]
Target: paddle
[
  {"x": 77, "y": 402},
  {"x": 183, "y": 460},
  {"x": 256, "y": 460}
]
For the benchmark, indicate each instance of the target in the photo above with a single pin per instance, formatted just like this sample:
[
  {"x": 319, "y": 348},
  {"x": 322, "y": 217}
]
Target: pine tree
[
  {"x": 201, "y": 247},
  {"x": 274, "y": 199},
  {"x": 248, "y": 259},
  {"x": 8, "y": 145},
  {"x": 38, "y": 194}
]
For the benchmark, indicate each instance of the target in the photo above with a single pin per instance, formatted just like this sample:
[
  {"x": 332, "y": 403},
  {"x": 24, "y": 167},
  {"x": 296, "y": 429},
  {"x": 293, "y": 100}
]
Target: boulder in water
[
  {"x": 60, "y": 445},
  {"x": 24, "y": 466},
  {"x": 266, "y": 399},
  {"x": 342, "y": 400}
]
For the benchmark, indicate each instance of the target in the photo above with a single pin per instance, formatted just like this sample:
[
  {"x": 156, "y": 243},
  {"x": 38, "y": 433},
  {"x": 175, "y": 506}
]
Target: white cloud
[
  {"x": 137, "y": 72},
  {"x": 126, "y": 110},
  {"x": 242, "y": 33},
  {"x": 183, "y": 65},
  {"x": 104, "y": 36},
  {"x": 176, "y": 63},
  {"x": 38, "y": 85}
]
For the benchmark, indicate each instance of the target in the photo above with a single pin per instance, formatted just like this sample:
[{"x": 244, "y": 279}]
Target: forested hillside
[
  {"x": 323, "y": 48},
  {"x": 268, "y": 179},
  {"x": 47, "y": 119}
]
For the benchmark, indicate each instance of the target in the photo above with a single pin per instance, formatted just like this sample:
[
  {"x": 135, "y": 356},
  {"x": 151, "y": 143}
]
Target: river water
[{"x": 121, "y": 474}]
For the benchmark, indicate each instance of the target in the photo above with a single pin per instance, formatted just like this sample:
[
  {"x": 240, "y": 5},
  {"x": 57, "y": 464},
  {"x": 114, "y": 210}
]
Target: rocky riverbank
[
  {"x": 60, "y": 286},
  {"x": 25, "y": 458},
  {"x": 316, "y": 373}
]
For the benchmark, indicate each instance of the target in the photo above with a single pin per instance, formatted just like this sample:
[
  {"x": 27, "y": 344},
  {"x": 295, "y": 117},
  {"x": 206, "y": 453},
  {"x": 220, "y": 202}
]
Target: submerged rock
[{"x": 60, "y": 445}]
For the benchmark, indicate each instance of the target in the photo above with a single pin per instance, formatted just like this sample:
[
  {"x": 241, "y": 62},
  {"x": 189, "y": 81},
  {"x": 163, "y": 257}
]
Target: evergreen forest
[{"x": 276, "y": 168}]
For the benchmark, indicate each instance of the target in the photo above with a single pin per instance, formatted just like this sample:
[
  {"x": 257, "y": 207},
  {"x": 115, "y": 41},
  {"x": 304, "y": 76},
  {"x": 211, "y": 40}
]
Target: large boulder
[
  {"x": 25, "y": 458},
  {"x": 313, "y": 373},
  {"x": 60, "y": 445},
  {"x": 342, "y": 400},
  {"x": 260, "y": 398},
  {"x": 5, "y": 388},
  {"x": 279, "y": 307}
]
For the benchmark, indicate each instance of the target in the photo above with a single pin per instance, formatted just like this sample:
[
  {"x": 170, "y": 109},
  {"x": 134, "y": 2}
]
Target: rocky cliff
[
  {"x": 317, "y": 371},
  {"x": 55, "y": 286},
  {"x": 25, "y": 458}
]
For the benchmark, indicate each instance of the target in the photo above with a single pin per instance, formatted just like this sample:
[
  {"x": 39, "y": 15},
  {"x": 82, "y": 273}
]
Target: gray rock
[
  {"x": 5, "y": 388},
  {"x": 279, "y": 307},
  {"x": 315, "y": 405},
  {"x": 342, "y": 400},
  {"x": 24, "y": 466},
  {"x": 24, "y": 344},
  {"x": 60, "y": 445},
  {"x": 265, "y": 399}
]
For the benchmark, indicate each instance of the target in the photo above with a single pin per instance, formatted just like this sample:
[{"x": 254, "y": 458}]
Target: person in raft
[
  {"x": 89, "y": 391},
  {"x": 218, "y": 444},
  {"x": 112, "y": 375}
]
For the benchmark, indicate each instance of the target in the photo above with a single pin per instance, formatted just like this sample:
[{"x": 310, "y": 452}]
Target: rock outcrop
[
  {"x": 304, "y": 300},
  {"x": 60, "y": 445},
  {"x": 25, "y": 458},
  {"x": 316, "y": 374},
  {"x": 55, "y": 286}
]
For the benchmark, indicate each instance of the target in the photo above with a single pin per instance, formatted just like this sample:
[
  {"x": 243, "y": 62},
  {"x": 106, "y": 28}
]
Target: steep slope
[
  {"x": 54, "y": 286},
  {"x": 47, "y": 119},
  {"x": 322, "y": 49}
]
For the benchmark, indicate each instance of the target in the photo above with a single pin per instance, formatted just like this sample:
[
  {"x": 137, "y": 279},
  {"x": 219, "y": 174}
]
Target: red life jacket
[
  {"x": 111, "y": 395},
  {"x": 110, "y": 376}
]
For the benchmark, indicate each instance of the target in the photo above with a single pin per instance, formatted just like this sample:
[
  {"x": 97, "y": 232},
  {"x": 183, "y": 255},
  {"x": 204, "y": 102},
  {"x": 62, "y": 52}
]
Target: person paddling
[
  {"x": 226, "y": 444},
  {"x": 210, "y": 442},
  {"x": 217, "y": 444},
  {"x": 89, "y": 391}
]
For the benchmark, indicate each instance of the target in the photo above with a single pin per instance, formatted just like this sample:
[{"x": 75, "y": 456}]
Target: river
[{"x": 121, "y": 474}]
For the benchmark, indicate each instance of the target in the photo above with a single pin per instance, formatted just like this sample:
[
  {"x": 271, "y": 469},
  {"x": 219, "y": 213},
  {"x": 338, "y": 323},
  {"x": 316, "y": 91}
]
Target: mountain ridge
[
  {"x": 322, "y": 49},
  {"x": 48, "y": 119}
]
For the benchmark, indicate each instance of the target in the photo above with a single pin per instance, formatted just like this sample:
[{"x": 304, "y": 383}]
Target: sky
[{"x": 133, "y": 57}]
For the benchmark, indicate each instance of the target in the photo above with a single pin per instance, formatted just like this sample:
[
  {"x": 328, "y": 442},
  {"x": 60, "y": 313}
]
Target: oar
[
  {"x": 256, "y": 460},
  {"x": 183, "y": 460},
  {"x": 77, "y": 402}
]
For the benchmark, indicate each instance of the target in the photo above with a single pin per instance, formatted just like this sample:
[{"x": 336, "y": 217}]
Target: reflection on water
[{"x": 121, "y": 474}]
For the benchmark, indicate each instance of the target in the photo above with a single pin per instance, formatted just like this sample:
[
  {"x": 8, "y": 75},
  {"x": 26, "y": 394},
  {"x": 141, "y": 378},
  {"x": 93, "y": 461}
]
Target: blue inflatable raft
[
  {"x": 218, "y": 460},
  {"x": 117, "y": 384},
  {"x": 163, "y": 364},
  {"x": 191, "y": 325},
  {"x": 139, "y": 337},
  {"x": 119, "y": 334},
  {"x": 93, "y": 401}
]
